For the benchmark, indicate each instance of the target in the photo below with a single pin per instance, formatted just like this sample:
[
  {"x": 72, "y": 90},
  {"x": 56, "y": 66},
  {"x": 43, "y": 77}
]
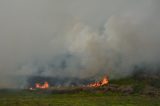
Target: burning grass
[
  {"x": 117, "y": 93},
  {"x": 46, "y": 85},
  {"x": 103, "y": 81}
]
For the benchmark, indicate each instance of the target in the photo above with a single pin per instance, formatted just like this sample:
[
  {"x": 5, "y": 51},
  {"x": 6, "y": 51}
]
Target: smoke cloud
[{"x": 77, "y": 38}]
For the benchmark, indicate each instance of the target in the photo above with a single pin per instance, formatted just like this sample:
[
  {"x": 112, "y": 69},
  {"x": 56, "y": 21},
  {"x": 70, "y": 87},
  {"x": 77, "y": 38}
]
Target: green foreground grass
[{"x": 26, "y": 98}]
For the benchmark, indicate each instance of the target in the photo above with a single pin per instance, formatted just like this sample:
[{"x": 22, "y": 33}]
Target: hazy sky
[{"x": 76, "y": 38}]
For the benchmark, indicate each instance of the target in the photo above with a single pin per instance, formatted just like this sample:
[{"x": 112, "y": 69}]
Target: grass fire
[
  {"x": 46, "y": 85},
  {"x": 79, "y": 52},
  {"x": 129, "y": 90},
  {"x": 104, "y": 81},
  {"x": 39, "y": 86}
]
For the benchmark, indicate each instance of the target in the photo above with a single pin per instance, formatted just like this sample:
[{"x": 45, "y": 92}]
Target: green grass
[{"x": 25, "y": 98}]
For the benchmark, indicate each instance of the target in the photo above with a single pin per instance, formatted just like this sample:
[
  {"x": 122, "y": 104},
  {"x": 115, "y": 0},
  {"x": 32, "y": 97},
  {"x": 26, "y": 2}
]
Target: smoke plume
[{"x": 77, "y": 38}]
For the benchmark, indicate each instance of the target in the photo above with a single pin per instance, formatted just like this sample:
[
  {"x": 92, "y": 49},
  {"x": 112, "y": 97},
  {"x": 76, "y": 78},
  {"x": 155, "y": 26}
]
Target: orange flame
[
  {"x": 104, "y": 81},
  {"x": 43, "y": 86}
]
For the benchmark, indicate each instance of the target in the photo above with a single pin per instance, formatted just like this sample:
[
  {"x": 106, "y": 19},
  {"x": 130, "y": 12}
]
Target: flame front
[
  {"x": 104, "y": 81},
  {"x": 43, "y": 86},
  {"x": 46, "y": 85}
]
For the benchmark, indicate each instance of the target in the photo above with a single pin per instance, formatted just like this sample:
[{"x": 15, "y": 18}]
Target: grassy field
[{"x": 26, "y": 98}]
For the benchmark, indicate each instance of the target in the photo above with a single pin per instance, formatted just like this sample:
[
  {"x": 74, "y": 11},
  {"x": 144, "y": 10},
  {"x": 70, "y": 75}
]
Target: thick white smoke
[{"x": 76, "y": 38}]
